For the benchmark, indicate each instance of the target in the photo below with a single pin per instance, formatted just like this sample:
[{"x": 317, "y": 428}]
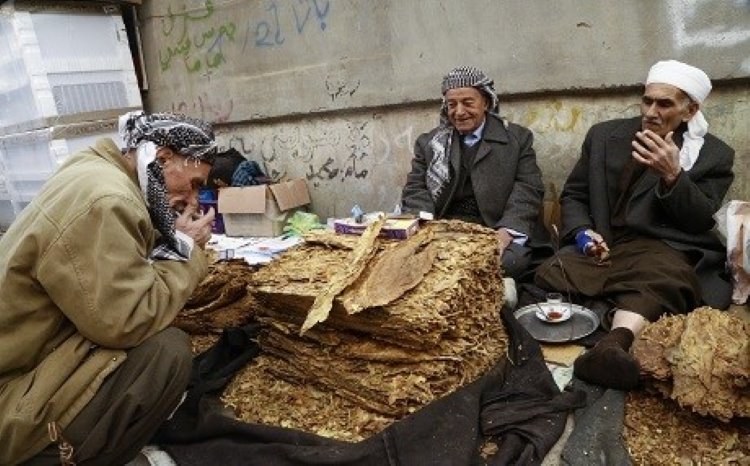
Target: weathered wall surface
[
  {"x": 337, "y": 91},
  {"x": 363, "y": 157},
  {"x": 251, "y": 59}
]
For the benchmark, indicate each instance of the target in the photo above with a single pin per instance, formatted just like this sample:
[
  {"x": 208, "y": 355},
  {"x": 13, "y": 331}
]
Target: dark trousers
[
  {"x": 516, "y": 260},
  {"x": 644, "y": 276},
  {"x": 130, "y": 405}
]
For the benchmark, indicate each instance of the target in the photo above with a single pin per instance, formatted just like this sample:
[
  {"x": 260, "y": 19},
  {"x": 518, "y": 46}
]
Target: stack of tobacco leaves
[
  {"x": 696, "y": 409},
  {"x": 361, "y": 331},
  {"x": 220, "y": 301},
  {"x": 657, "y": 431},
  {"x": 701, "y": 360}
]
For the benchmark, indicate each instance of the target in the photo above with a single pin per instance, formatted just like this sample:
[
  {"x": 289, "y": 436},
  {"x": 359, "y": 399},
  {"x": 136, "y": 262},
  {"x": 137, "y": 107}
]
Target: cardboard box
[
  {"x": 393, "y": 228},
  {"x": 261, "y": 210}
]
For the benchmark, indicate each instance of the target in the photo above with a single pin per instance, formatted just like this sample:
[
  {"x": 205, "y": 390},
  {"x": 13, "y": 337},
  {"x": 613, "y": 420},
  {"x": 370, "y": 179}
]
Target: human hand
[
  {"x": 592, "y": 244},
  {"x": 660, "y": 155},
  {"x": 196, "y": 225},
  {"x": 503, "y": 240}
]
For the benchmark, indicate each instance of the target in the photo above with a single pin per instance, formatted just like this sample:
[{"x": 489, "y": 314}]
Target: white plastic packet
[{"x": 733, "y": 223}]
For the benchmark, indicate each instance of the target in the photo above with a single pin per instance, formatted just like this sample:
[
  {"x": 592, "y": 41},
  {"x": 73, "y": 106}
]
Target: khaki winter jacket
[{"x": 76, "y": 291}]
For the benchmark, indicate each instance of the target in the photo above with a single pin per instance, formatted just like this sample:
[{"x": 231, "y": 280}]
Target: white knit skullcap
[{"x": 695, "y": 83}]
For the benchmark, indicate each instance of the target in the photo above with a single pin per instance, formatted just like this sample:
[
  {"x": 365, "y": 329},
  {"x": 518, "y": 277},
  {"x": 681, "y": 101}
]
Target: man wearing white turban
[{"x": 638, "y": 208}]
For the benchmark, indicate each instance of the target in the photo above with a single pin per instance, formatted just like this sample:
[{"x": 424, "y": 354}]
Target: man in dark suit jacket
[
  {"x": 639, "y": 206},
  {"x": 479, "y": 168}
]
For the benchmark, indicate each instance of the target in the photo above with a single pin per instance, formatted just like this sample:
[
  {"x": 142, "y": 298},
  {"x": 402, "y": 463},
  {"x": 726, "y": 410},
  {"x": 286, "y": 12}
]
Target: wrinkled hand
[
  {"x": 660, "y": 155},
  {"x": 196, "y": 225},
  {"x": 600, "y": 249},
  {"x": 503, "y": 240}
]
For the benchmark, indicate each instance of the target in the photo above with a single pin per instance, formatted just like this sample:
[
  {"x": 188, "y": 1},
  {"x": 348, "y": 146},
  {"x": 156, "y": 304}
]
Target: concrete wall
[
  {"x": 337, "y": 91},
  {"x": 363, "y": 157}
]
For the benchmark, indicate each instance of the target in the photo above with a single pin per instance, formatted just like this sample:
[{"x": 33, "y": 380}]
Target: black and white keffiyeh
[
  {"x": 187, "y": 136},
  {"x": 438, "y": 172}
]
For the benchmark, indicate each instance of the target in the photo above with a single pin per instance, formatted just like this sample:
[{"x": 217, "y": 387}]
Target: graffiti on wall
[
  {"x": 272, "y": 30},
  {"x": 325, "y": 154},
  {"x": 338, "y": 85},
  {"x": 200, "y": 43},
  {"x": 401, "y": 142},
  {"x": 206, "y": 107},
  {"x": 192, "y": 40},
  {"x": 552, "y": 117},
  {"x": 683, "y": 13}
]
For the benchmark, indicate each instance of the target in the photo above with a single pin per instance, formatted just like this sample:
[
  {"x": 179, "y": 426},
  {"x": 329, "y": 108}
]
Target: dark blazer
[
  {"x": 682, "y": 216},
  {"x": 506, "y": 179}
]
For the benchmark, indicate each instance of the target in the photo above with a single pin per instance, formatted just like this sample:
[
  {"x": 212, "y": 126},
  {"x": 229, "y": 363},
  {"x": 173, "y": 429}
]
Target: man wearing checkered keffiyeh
[
  {"x": 477, "y": 167},
  {"x": 463, "y": 77},
  {"x": 146, "y": 134},
  {"x": 87, "y": 346}
]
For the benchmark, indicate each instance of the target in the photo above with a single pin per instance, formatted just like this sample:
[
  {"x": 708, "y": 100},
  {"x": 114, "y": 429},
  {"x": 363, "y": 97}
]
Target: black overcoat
[{"x": 681, "y": 216}]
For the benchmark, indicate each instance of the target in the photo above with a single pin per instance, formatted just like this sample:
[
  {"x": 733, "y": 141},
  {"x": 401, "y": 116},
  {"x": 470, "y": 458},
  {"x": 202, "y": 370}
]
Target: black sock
[
  {"x": 609, "y": 363},
  {"x": 620, "y": 336}
]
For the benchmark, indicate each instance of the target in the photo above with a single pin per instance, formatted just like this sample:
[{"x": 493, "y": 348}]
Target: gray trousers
[{"x": 130, "y": 405}]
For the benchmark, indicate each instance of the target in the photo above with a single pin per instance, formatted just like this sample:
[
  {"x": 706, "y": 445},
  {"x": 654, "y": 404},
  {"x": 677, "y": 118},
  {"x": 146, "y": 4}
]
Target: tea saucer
[{"x": 553, "y": 314}]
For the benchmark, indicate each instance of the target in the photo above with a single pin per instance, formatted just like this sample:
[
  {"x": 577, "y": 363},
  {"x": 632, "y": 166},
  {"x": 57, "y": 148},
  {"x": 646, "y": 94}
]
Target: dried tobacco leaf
[
  {"x": 656, "y": 431},
  {"x": 353, "y": 374},
  {"x": 396, "y": 270},
  {"x": 360, "y": 257},
  {"x": 221, "y": 300},
  {"x": 701, "y": 360}
]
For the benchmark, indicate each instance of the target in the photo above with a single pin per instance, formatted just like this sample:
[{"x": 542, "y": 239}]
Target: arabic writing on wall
[
  {"x": 325, "y": 154},
  {"x": 195, "y": 39}
]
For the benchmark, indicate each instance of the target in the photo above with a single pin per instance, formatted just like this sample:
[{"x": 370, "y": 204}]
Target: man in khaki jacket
[{"x": 92, "y": 273}]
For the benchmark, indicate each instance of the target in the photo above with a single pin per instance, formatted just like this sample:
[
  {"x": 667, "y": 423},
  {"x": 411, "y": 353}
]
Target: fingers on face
[
  {"x": 650, "y": 139},
  {"x": 642, "y": 154},
  {"x": 184, "y": 212},
  {"x": 638, "y": 157},
  {"x": 208, "y": 217}
]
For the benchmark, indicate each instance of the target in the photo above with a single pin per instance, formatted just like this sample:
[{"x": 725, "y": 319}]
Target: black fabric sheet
[{"x": 515, "y": 405}]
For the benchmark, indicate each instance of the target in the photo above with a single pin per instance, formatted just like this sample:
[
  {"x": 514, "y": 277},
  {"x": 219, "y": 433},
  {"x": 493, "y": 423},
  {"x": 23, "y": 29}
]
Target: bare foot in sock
[{"x": 609, "y": 363}]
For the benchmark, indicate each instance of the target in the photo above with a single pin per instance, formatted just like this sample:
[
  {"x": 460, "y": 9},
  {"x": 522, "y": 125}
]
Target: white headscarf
[{"x": 695, "y": 83}]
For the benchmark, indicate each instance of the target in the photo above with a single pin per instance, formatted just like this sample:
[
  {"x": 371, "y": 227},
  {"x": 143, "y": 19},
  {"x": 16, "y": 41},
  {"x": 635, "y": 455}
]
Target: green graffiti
[
  {"x": 196, "y": 66},
  {"x": 205, "y": 45},
  {"x": 181, "y": 49},
  {"x": 185, "y": 17},
  {"x": 217, "y": 60}
]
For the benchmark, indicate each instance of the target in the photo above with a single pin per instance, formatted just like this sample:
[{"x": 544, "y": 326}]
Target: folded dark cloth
[
  {"x": 515, "y": 405},
  {"x": 527, "y": 412}
]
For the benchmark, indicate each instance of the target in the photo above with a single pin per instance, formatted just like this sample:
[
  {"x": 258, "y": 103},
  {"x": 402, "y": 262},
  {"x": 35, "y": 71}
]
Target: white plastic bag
[{"x": 733, "y": 222}]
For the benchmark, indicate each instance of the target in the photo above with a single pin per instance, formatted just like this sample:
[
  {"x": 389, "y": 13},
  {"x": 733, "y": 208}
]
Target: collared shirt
[{"x": 475, "y": 136}]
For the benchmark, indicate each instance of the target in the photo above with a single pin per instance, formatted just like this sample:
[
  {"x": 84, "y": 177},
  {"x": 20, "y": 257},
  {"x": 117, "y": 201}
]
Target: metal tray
[{"x": 582, "y": 322}]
